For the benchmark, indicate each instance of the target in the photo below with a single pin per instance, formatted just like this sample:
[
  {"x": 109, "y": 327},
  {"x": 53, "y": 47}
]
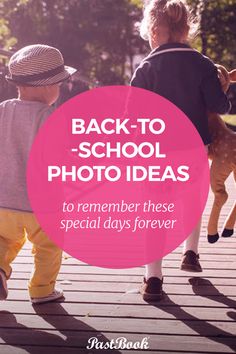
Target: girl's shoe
[
  {"x": 190, "y": 262},
  {"x": 3, "y": 285},
  {"x": 55, "y": 295},
  {"x": 151, "y": 289}
]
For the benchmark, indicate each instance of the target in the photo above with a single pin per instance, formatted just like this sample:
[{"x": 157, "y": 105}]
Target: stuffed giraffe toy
[{"x": 222, "y": 152}]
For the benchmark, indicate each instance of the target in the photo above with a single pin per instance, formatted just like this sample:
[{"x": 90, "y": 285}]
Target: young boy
[{"x": 37, "y": 71}]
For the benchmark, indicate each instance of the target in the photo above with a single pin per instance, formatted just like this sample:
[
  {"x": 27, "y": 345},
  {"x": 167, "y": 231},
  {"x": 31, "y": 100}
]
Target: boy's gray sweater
[{"x": 19, "y": 124}]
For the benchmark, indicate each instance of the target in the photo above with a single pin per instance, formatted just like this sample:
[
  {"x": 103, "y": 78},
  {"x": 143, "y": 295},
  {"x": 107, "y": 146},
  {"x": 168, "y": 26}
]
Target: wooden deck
[{"x": 198, "y": 314}]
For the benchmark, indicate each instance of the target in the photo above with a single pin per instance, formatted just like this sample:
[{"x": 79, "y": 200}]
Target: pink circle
[{"x": 118, "y": 177}]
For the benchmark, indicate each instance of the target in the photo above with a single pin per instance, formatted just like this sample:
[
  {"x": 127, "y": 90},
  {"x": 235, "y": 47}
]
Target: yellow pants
[{"x": 15, "y": 228}]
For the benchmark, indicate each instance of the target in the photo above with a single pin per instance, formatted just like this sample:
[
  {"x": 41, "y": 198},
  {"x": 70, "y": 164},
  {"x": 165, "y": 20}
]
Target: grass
[{"x": 230, "y": 119}]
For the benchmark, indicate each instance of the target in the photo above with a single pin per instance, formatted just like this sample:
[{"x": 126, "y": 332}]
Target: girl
[{"x": 188, "y": 79}]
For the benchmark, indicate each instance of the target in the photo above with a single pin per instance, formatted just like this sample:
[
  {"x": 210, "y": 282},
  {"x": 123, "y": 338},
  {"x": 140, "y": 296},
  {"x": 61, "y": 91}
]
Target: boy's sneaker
[
  {"x": 151, "y": 289},
  {"x": 190, "y": 262},
  {"x": 55, "y": 295},
  {"x": 3, "y": 285}
]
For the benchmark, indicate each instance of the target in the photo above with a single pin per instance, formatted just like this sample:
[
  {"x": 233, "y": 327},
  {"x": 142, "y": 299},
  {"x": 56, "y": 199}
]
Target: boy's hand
[{"x": 223, "y": 77}]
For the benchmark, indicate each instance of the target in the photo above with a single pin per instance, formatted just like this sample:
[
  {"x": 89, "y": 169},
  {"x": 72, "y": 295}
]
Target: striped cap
[{"x": 38, "y": 65}]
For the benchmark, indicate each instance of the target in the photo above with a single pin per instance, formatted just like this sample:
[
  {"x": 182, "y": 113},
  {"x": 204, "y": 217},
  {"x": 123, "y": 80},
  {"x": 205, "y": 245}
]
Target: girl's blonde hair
[{"x": 172, "y": 15}]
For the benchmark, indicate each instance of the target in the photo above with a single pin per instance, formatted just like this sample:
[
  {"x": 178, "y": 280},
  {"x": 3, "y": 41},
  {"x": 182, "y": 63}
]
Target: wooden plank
[
  {"x": 224, "y": 244},
  {"x": 19, "y": 280},
  {"x": 116, "y": 298},
  {"x": 131, "y": 271},
  {"x": 117, "y": 287},
  {"x": 5, "y": 349},
  {"x": 165, "y": 312},
  {"x": 206, "y": 264},
  {"x": 77, "y": 339},
  {"x": 125, "y": 325},
  {"x": 219, "y": 248},
  {"x": 25, "y": 349},
  {"x": 26, "y": 257},
  {"x": 206, "y": 274}
]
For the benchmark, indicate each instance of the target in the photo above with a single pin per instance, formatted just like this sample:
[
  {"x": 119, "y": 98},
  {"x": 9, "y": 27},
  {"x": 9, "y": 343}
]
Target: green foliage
[
  {"x": 219, "y": 24},
  {"x": 96, "y": 36},
  {"x": 218, "y": 29},
  {"x": 7, "y": 9},
  {"x": 99, "y": 36},
  {"x": 138, "y": 3}
]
